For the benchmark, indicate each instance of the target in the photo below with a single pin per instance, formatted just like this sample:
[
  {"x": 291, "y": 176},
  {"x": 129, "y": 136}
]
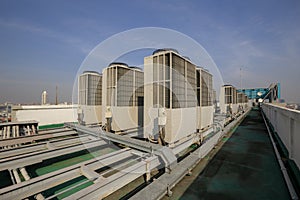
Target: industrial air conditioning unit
[
  {"x": 171, "y": 86},
  {"x": 90, "y": 97},
  {"x": 123, "y": 97},
  {"x": 205, "y": 99},
  {"x": 242, "y": 101},
  {"x": 228, "y": 100}
]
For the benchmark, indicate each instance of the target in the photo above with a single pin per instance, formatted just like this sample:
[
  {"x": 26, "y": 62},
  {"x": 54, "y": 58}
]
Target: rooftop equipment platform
[{"x": 246, "y": 167}]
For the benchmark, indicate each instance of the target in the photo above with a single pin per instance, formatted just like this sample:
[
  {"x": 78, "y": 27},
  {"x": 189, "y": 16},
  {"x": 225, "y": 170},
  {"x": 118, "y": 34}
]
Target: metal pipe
[
  {"x": 13, "y": 134},
  {"x": 152, "y": 140},
  {"x": 28, "y": 129},
  {"x": 13, "y": 131},
  {"x": 4, "y": 132},
  {"x": 33, "y": 129},
  {"x": 27, "y": 177},
  {"x": 16, "y": 175},
  {"x": 24, "y": 173},
  {"x": 282, "y": 167},
  {"x": 164, "y": 152},
  {"x": 8, "y": 132},
  {"x": 11, "y": 177},
  {"x": 18, "y": 133}
]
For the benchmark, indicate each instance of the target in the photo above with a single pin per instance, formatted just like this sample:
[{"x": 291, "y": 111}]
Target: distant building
[{"x": 44, "y": 98}]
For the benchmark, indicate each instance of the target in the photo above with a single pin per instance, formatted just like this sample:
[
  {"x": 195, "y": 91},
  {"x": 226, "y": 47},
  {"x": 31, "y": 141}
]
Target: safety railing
[{"x": 286, "y": 123}]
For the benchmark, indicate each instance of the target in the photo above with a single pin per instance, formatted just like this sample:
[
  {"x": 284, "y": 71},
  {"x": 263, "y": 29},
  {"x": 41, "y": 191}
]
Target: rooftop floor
[{"x": 244, "y": 168}]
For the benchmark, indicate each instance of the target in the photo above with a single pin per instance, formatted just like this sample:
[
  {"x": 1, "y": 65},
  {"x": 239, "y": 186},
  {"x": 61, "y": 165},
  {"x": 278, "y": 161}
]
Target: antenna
[
  {"x": 241, "y": 77},
  {"x": 56, "y": 97}
]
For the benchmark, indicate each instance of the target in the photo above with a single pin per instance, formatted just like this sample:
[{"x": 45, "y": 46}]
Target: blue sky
[{"x": 43, "y": 43}]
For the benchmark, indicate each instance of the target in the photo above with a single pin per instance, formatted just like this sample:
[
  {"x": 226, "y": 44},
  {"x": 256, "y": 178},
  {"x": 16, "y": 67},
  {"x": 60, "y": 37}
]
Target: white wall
[
  {"x": 286, "y": 123},
  {"x": 45, "y": 114}
]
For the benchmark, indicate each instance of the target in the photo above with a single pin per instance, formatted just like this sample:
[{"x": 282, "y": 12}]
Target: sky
[{"x": 43, "y": 43}]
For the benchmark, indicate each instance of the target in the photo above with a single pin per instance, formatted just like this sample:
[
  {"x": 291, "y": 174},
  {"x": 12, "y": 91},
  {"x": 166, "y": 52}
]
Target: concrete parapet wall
[
  {"x": 45, "y": 114},
  {"x": 286, "y": 123}
]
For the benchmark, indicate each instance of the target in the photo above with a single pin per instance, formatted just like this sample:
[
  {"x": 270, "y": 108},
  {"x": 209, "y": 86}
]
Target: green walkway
[{"x": 244, "y": 168}]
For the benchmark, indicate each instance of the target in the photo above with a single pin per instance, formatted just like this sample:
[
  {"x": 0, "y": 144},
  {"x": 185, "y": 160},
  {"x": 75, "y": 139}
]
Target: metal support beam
[
  {"x": 25, "y": 149},
  {"x": 36, "y": 157},
  {"x": 30, "y": 138},
  {"x": 111, "y": 184},
  {"x": 52, "y": 179},
  {"x": 165, "y": 153}
]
